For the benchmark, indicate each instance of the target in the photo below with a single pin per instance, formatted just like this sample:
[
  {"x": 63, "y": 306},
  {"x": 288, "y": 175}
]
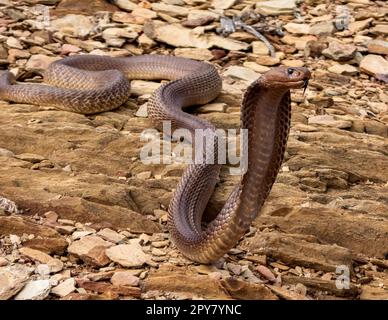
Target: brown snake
[{"x": 90, "y": 84}]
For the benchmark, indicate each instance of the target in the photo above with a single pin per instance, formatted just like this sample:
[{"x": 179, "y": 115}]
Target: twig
[
  {"x": 231, "y": 25},
  {"x": 261, "y": 38}
]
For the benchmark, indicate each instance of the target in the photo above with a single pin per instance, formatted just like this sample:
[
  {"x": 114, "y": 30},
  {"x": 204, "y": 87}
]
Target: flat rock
[
  {"x": 6, "y": 153},
  {"x": 47, "y": 245},
  {"x": 19, "y": 225},
  {"x": 43, "y": 270},
  {"x": 373, "y": 64},
  {"x": 124, "y": 278},
  {"x": 357, "y": 26},
  {"x": 340, "y": 52},
  {"x": 81, "y": 7},
  {"x": 142, "y": 112},
  {"x": 186, "y": 285},
  {"x": 64, "y": 288},
  {"x": 378, "y": 107},
  {"x": 91, "y": 46},
  {"x": 65, "y": 229},
  {"x": 120, "y": 34},
  {"x": 34, "y": 290},
  {"x": 317, "y": 284},
  {"x": 80, "y": 234},
  {"x": 299, "y": 42},
  {"x": 259, "y": 47},
  {"x": 3, "y": 52},
  {"x": 212, "y": 107},
  {"x": 12, "y": 280},
  {"x": 344, "y": 69},
  {"x": 380, "y": 29},
  {"x": 75, "y": 208},
  {"x": 189, "y": 285},
  {"x": 141, "y": 87},
  {"x": 144, "y": 14},
  {"x": 194, "y": 53},
  {"x": 144, "y": 175},
  {"x": 110, "y": 235},
  {"x": 69, "y": 48},
  {"x": 3, "y": 262},
  {"x": 172, "y": 10},
  {"x": 293, "y": 63},
  {"x": 109, "y": 289},
  {"x": 276, "y": 7},
  {"x": 66, "y": 222},
  {"x": 30, "y": 157},
  {"x": 158, "y": 252},
  {"x": 285, "y": 294},
  {"x": 125, "y": 5},
  {"x": 179, "y": 36},
  {"x": 73, "y": 25},
  {"x": 328, "y": 120},
  {"x": 205, "y": 269},
  {"x": 297, "y": 250},
  {"x": 342, "y": 231},
  {"x": 378, "y": 47},
  {"x": 267, "y": 60},
  {"x": 101, "y": 275},
  {"x": 204, "y": 15},
  {"x": 322, "y": 28},
  {"x": 91, "y": 249},
  {"x": 266, "y": 273},
  {"x": 13, "y": 42},
  {"x": 241, "y": 73},
  {"x": 223, "y": 4},
  {"x": 14, "y": 54},
  {"x": 234, "y": 268},
  {"x": 298, "y": 28},
  {"x": 245, "y": 290},
  {"x": 256, "y": 67},
  {"x": 39, "y": 63},
  {"x": 145, "y": 41},
  {"x": 128, "y": 255},
  {"x": 55, "y": 264},
  {"x": 373, "y": 293}
]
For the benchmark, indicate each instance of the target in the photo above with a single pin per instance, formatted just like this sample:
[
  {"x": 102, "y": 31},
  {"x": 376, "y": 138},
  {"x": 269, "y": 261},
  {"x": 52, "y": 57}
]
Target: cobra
[{"x": 89, "y": 84}]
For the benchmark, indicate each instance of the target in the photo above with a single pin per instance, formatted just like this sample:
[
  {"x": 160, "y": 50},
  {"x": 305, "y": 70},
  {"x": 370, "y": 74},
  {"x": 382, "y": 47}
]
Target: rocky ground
[{"x": 88, "y": 219}]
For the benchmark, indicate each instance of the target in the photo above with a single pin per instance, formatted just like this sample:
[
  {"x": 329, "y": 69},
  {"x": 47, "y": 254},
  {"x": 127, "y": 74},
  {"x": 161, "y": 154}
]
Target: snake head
[{"x": 286, "y": 78}]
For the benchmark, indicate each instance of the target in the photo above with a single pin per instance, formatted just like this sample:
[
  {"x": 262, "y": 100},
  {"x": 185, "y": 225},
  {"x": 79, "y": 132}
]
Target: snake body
[{"x": 89, "y": 84}]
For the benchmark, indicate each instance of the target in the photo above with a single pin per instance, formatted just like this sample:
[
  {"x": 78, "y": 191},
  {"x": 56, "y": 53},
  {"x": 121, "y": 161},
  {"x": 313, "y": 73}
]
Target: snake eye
[{"x": 290, "y": 71}]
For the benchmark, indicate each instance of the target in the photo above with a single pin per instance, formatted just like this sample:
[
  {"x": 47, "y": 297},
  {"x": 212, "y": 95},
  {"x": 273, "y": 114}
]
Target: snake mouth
[
  {"x": 300, "y": 84},
  {"x": 294, "y": 84}
]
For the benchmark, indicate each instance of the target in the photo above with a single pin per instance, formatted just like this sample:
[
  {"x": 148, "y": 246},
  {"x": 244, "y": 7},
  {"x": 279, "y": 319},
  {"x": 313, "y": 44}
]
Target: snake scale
[{"x": 89, "y": 84}]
